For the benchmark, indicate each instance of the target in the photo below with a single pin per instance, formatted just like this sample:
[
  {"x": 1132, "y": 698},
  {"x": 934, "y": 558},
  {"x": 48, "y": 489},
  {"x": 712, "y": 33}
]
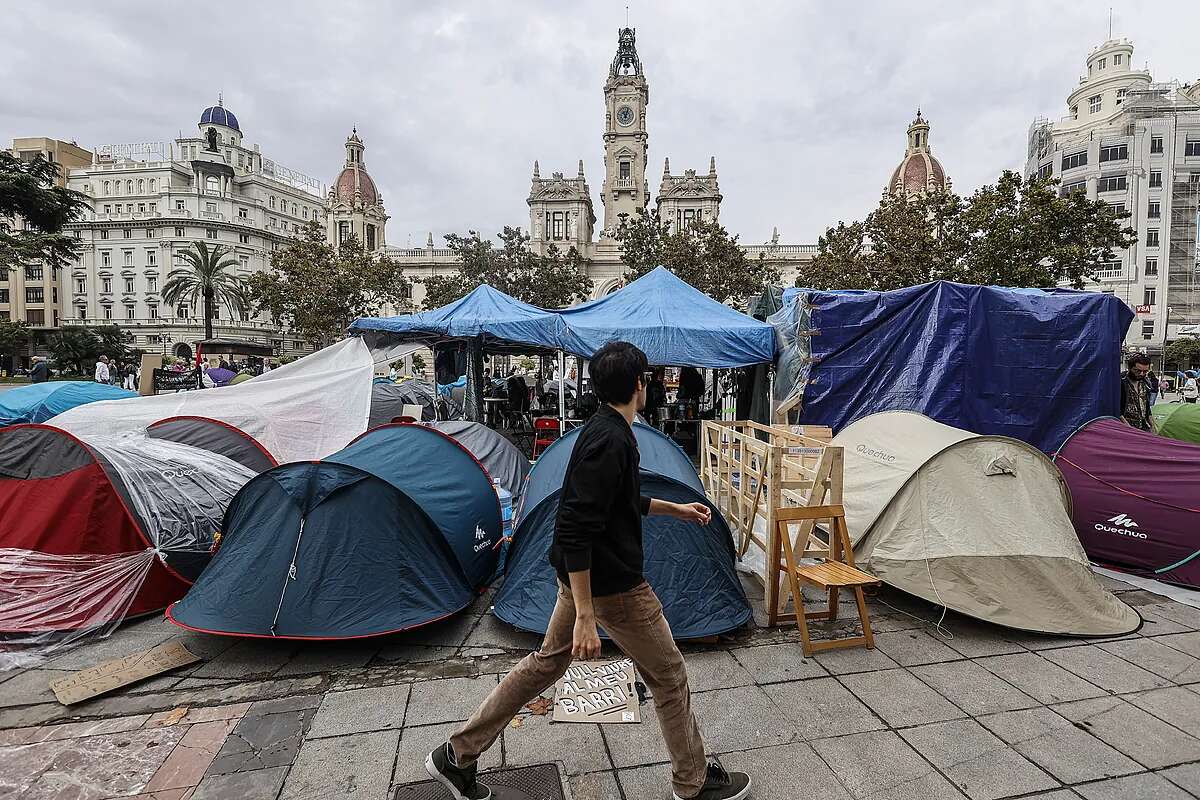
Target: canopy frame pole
[{"x": 562, "y": 392}]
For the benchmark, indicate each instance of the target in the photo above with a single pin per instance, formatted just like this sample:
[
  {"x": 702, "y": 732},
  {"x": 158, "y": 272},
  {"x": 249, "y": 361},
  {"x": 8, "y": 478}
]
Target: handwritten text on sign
[{"x": 597, "y": 691}]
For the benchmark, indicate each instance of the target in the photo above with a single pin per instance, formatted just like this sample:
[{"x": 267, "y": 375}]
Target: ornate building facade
[
  {"x": 919, "y": 171},
  {"x": 355, "y": 206}
]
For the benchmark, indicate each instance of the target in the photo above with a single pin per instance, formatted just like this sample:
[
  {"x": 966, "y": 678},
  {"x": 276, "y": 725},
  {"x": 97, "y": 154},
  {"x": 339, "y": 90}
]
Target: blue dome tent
[
  {"x": 38, "y": 402},
  {"x": 396, "y": 530},
  {"x": 689, "y": 566}
]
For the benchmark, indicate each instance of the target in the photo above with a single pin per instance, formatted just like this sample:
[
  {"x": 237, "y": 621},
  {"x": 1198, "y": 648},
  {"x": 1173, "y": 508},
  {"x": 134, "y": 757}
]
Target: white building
[
  {"x": 1134, "y": 144},
  {"x": 150, "y": 201}
]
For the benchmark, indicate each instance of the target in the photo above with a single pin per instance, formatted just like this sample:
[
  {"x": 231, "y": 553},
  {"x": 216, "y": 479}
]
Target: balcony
[
  {"x": 247, "y": 221},
  {"x": 624, "y": 183},
  {"x": 125, "y": 217},
  {"x": 212, "y": 215}
]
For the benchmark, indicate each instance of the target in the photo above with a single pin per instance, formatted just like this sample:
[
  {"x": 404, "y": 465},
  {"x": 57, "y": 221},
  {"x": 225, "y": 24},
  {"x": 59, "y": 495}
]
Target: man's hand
[
  {"x": 585, "y": 642},
  {"x": 693, "y": 512}
]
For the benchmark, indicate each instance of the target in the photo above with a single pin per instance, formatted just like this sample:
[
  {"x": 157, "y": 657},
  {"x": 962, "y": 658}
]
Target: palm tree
[{"x": 207, "y": 275}]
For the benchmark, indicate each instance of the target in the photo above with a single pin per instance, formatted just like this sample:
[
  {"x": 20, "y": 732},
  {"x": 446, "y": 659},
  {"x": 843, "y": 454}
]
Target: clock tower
[{"x": 626, "y": 95}]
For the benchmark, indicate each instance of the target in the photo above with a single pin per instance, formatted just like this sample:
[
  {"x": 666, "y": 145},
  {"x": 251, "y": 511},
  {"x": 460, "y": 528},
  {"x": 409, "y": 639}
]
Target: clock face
[{"x": 625, "y": 116}]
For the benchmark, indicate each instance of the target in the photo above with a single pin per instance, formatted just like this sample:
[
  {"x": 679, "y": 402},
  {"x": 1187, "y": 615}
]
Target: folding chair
[{"x": 547, "y": 431}]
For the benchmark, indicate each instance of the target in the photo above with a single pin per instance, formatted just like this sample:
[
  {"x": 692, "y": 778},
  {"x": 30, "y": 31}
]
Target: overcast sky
[{"x": 804, "y": 104}]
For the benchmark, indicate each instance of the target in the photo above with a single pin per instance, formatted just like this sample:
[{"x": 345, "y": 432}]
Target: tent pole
[{"x": 562, "y": 393}]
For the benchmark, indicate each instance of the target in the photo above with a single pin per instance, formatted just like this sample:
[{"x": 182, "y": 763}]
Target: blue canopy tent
[
  {"x": 690, "y": 567},
  {"x": 369, "y": 541},
  {"x": 674, "y": 323},
  {"x": 39, "y": 402},
  {"x": 1025, "y": 363}
]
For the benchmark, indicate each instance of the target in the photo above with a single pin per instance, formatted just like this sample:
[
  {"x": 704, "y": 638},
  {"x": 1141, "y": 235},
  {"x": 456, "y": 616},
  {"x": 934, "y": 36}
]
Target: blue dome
[{"x": 219, "y": 115}]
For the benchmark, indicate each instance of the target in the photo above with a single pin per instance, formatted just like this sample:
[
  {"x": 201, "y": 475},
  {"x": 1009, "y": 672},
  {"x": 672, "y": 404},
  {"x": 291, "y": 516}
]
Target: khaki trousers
[{"x": 635, "y": 622}]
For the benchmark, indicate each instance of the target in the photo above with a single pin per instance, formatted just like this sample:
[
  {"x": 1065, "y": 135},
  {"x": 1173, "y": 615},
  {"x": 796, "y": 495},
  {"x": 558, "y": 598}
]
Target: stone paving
[{"x": 987, "y": 714}]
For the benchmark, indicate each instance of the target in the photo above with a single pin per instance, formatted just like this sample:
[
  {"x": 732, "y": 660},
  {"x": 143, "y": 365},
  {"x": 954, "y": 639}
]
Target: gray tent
[
  {"x": 979, "y": 524},
  {"x": 388, "y": 401},
  {"x": 499, "y": 456}
]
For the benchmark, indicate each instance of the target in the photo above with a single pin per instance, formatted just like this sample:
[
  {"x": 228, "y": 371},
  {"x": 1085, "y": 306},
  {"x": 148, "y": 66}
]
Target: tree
[
  {"x": 207, "y": 277},
  {"x": 33, "y": 212},
  {"x": 553, "y": 280},
  {"x": 1183, "y": 353},
  {"x": 14, "y": 339},
  {"x": 317, "y": 290},
  {"x": 115, "y": 343},
  {"x": 1014, "y": 233},
  {"x": 701, "y": 253},
  {"x": 75, "y": 346}
]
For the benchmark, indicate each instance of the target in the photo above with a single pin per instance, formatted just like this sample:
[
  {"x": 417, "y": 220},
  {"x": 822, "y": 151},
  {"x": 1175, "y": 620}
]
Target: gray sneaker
[
  {"x": 721, "y": 785},
  {"x": 459, "y": 780}
]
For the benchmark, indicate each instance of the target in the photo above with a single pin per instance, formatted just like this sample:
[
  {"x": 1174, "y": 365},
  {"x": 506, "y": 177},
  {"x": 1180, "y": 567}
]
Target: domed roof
[
  {"x": 919, "y": 171},
  {"x": 355, "y": 177},
  {"x": 219, "y": 115}
]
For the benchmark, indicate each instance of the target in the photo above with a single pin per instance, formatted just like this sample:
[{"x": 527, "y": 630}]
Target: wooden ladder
[{"x": 835, "y": 572}]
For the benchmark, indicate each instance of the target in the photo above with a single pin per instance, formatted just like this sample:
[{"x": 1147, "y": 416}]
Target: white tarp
[{"x": 304, "y": 410}]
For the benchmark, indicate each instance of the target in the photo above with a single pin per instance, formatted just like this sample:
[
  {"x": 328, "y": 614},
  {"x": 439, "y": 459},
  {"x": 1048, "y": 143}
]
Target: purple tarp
[
  {"x": 221, "y": 376},
  {"x": 1136, "y": 499}
]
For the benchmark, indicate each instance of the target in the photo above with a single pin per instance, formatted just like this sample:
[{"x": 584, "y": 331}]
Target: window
[
  {"x": 151, "y": 233},
  {"x": 305, "y": 212},
  {"x": 129, "y": 312},
  {"x": 35, "y": 316},
  {"x": 127, "y": 233},
  {"x": 216, "y": 312},
  {"x": 105, "y": 258},
  {"x": 54, "y": 294},
  {"x": 1192, "y": 147},
  {"x": 212, "y": 185},
  {"x": 210, "y": 208},
  {"x": 151, "y": 258},
  {"x": 108, "y": 312},
  {"x": 624, "y": 174},
  {"x": 80, "y": 286},
  {"x": 1156, "y": 145},
  {"x": 1121, "y": 96},
  {"x": 35, "y": 294},
  {"x": 1114, "y": 152},
  {"x": 104, "y": 234},
  {"x": 107, "y": 208},
  {"x": 182, "y": 312},
  {"x": 1094, "y": 105},
  {"x": 129, "y": 286},
  {"x": 1148, "y": 296},
  {"x": 4, "y": 295},
  {"x": 1074, "y": 112},
  {"x": 370, "y": 237},
  {"x": 243, "y": 213},
  {"x": 152, "y": 311},
  {"x": 81, "y": 312},
  {"x": 1151, "y": 267},
  {"x": 180, "y": 205},
  {"x": 1154, "y": 210},
  {"x": 1072, "y": 188},
  {"x": 128, "y": 187},
  {"x": 106, "y": 187},
  {"x": 1074, "y": 160},
  {"x": 241, "y": 159},
  {"x": 343, "y": 231},
  {"x": 1102, "y": 63},
  {"x": 210, "y": 233},
  {"x": 179, "y": 231},
  {"x": 1152, "y": 237},
  {"x": 1148, "y": 329},
  {"x": 33, "y": 273},
  {"x": 1045, "y": 171},
  {"x": 152, "y": 186},
  {"x": 1156, "y": 179},
  {"x": 272, "y": 201},
  {"x": 1194, "y": 177},
  {"x": 1111, "y": 183},
  {"x": 244, "y": 262},
  {"x": 141, "y": 186},
  {"x": 244, "y": 238},
  {"x": 128, "y": 258},
  {"x": 151, "y": 284},
  {"x": 1118, "y": 208},
  {"x": 1117, "y": 60},
  {"x": 106, "y": 285}
]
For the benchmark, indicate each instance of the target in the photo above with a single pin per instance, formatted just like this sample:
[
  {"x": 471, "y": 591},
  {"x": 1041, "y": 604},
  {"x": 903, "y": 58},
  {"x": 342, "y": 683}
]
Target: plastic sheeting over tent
[
  {"x": 397, "y": 530},
  {"x": 673, "y": 323},
  {"x": 303, "y": 410},
  {"x": 39, "y": 402},
  {"x": 978, "y": 524},
  {"x": 216, "y": 437},
  {"x": 1025, "y": 363},
  {"x": 500, "y": 457},
  {"x": 1137, "y": 499},
  {"x": 1175, "y": 420},
  {"x": 689, "y": 566}
]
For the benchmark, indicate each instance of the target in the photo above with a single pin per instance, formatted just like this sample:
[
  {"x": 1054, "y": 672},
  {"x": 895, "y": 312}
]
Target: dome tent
[
  {"x": 1137, "y": 499},
  {"x": 388, "y": 400},
  {"x": 216, "y": 437},
  {"x": 395, "y": 531},
  {"x": 39, "y": 402},
  {"x": 500, "y": 457},
  {"x": 979, "y": 524},
  {"x": 1178, "y": 421},
  {"x": 689, "y": 566}
]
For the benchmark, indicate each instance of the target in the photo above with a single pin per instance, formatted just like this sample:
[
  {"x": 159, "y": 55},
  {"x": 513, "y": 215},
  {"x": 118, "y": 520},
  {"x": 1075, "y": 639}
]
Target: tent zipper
[{"x": 291, "y": 575}]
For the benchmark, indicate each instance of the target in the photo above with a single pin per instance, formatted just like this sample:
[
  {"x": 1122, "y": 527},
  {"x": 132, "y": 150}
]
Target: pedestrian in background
[
  {"x": 1155, "y": 385},
  {"x": 1191, "y": 390},
  {"x": 40, "y": 373},
  {"x": 1135, "y": 394},
  {"x": 101, "y": 373}
]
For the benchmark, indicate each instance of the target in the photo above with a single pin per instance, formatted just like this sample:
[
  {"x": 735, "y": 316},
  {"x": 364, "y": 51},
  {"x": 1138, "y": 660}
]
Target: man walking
[
  {"x": 40, "y": 373},
  {"x": 1135, "y": 394},
  {"x": 597, "y": 553},
  {"x": 102, "y": 375}
]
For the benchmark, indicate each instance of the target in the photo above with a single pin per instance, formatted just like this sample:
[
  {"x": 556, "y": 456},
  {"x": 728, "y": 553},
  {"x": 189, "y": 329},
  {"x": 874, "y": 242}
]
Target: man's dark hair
[
  {"x": 615, "y": 370},
  {"x": 1137, "y": 359}
]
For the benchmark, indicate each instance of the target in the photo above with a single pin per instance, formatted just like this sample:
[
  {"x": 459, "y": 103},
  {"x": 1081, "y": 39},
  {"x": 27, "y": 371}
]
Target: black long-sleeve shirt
[{"x": 599, "y": 522}]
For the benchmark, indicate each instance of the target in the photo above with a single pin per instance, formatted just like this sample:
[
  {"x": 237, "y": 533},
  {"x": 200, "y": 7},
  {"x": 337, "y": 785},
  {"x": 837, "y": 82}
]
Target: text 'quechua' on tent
[
  {"x": 1137, "y": 499},
  {"x": 689, "y": 566},
  {"x": 978, "y": 524},
  {"x": 39, "y": 402},
  {"x": 94, "y": 531},
  {"x": 396, "y": 530}
]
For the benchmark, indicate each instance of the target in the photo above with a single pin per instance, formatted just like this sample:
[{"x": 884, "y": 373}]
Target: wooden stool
[{"x": 836, "y": 572}]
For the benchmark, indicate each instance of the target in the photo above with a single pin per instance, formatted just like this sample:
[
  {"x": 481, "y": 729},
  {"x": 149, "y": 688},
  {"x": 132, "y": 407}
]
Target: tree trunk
[{"x": 208, "y": 320}]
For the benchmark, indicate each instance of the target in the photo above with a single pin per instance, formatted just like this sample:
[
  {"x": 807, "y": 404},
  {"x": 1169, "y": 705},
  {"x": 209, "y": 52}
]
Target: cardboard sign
[
  {"x": 597, "y": 691},
  {"x": 102, "y": 678}
]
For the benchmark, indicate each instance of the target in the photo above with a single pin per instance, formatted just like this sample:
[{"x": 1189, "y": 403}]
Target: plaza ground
[{"x": 989, "y": 713}]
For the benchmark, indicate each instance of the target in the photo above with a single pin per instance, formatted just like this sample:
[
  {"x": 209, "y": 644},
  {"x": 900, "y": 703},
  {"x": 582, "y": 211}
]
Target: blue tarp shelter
[
  {"x": 38, "y": 402},
  {"x": 673, "y": 323},
  {"x": 1025, "y": 363},
  {"x": 689, "y": 566},
  {"x": 371, "y": 540}
]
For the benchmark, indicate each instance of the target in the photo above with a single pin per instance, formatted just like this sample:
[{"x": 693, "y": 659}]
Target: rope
[{"x": 1098, "y": 479}]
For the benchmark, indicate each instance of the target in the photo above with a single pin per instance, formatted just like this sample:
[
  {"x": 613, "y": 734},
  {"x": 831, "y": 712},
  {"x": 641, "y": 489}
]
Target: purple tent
[
  {"x": 1136, "y": 499},
  {"x": 221, "y": 376}
]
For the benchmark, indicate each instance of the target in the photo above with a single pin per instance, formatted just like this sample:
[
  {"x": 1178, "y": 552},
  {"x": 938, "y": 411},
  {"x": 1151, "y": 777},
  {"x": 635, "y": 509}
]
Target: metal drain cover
[{"x": 539, "y": 782}]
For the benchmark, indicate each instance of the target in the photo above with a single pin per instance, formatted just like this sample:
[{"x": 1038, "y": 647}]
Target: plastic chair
[{"x": 547, "y": 431}]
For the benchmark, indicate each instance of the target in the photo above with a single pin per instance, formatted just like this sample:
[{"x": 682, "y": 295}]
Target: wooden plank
[{"x": 102, "y": 678}]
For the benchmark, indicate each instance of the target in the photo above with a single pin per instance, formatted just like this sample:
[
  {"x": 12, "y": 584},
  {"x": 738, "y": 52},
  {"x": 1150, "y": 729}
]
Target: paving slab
[
  {"x": 315, "y": 658},
  {"x": 578, "y": 746},
  {"x": 739, "y": 719},
  {"x": 908, "y": 648},
  {"x": 297, "y": 702},
  {"x": 899, "y": 698},
  {"x": 1053, "y": 743},
  {"x": 262, "y": 741},
  {"x": 259, "y": 784},
  {"x": 1155, "y": 624},
  {"x": 31, "y": 687},
  {"x": 1042, "y": 680},
  {"x": 972, "y": 688},
  {"x": 648, "y": 783},
  {"x": 451, "y": 632},
  {"x": 1179, "y": 612},
  {"x": 1152, "y": 655},
  {"x": 126, "y": 640},
  {"x": 715, "y": 669},
  {"x": 976, "y": 639},
  {"x": 1185, "y": 776},
  {"x": 360, "y": 710},
  {"x": 357, "y": 766},
  {"x": 979, "y": 764},
  {"x": 492, "y": 632},
  {"x": 640, "y": 744},
  {"x": 418, "y": 742},
  {"x": 1147, "y": 786},
  {"x": 1175, "y": 705},
  {"x": 1102, "y": 668},
  {"x": 71, "y": 730},
  {"x": 192, "y": 756},
  {"x": 1184, "y": 642},
  {"x": 774, "y": 663},
  {"x": 1136, "y": 733},
  {"x": 790, "y": 770},
  {"x": 415, "y": 653},
  {"x": 822, "y": 707},
  {"x": 448, "y": 700},
  {"x": 248, "y": 658},
  {"x": 881, "y": 766},
  {"x": 854, "y": 659},
  {"x": 594, "y": 786}
]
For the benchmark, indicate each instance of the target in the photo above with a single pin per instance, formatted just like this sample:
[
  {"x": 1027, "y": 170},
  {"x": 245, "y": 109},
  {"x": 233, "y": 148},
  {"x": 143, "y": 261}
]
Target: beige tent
[{"x": 979, "y": 524}]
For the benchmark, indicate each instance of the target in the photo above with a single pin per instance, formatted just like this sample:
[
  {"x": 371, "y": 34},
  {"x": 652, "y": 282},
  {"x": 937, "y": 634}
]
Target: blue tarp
[
  {"x": 673, "y": 323},
  {"x": 369, "y": 541},
  {"x": 689, "y": 566},
  {"x": 1026, "y": 363},
  {"x": 39, "y": 402}
]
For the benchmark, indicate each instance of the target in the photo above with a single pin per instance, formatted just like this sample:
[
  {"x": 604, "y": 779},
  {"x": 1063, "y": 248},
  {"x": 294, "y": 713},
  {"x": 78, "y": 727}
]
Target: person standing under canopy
[{"x": 1135, "y": 394}]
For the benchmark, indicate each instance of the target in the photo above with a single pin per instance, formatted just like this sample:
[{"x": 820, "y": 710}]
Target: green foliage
[
  {"x": 418, "y": 362},
  {"x": 1014, "y": 233},
  {"x": 553, "y": 280},
  {"x": 317, "y": 290},
  {"x": 703, "y": 254},
  {"x": 207, "y": 279},
  {"x": 1183, "y": 353},
  {"x": 33, "y": 212},
  {"x": 79, "y": 347},
  {"x": 14, "y": 337}
]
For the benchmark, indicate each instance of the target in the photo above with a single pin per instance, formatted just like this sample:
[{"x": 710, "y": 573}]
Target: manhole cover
[{"x": 539, "y": 782}]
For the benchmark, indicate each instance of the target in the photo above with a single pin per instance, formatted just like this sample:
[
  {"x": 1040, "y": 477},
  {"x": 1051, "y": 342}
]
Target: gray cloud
[{"x": 803, "y": 104}]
